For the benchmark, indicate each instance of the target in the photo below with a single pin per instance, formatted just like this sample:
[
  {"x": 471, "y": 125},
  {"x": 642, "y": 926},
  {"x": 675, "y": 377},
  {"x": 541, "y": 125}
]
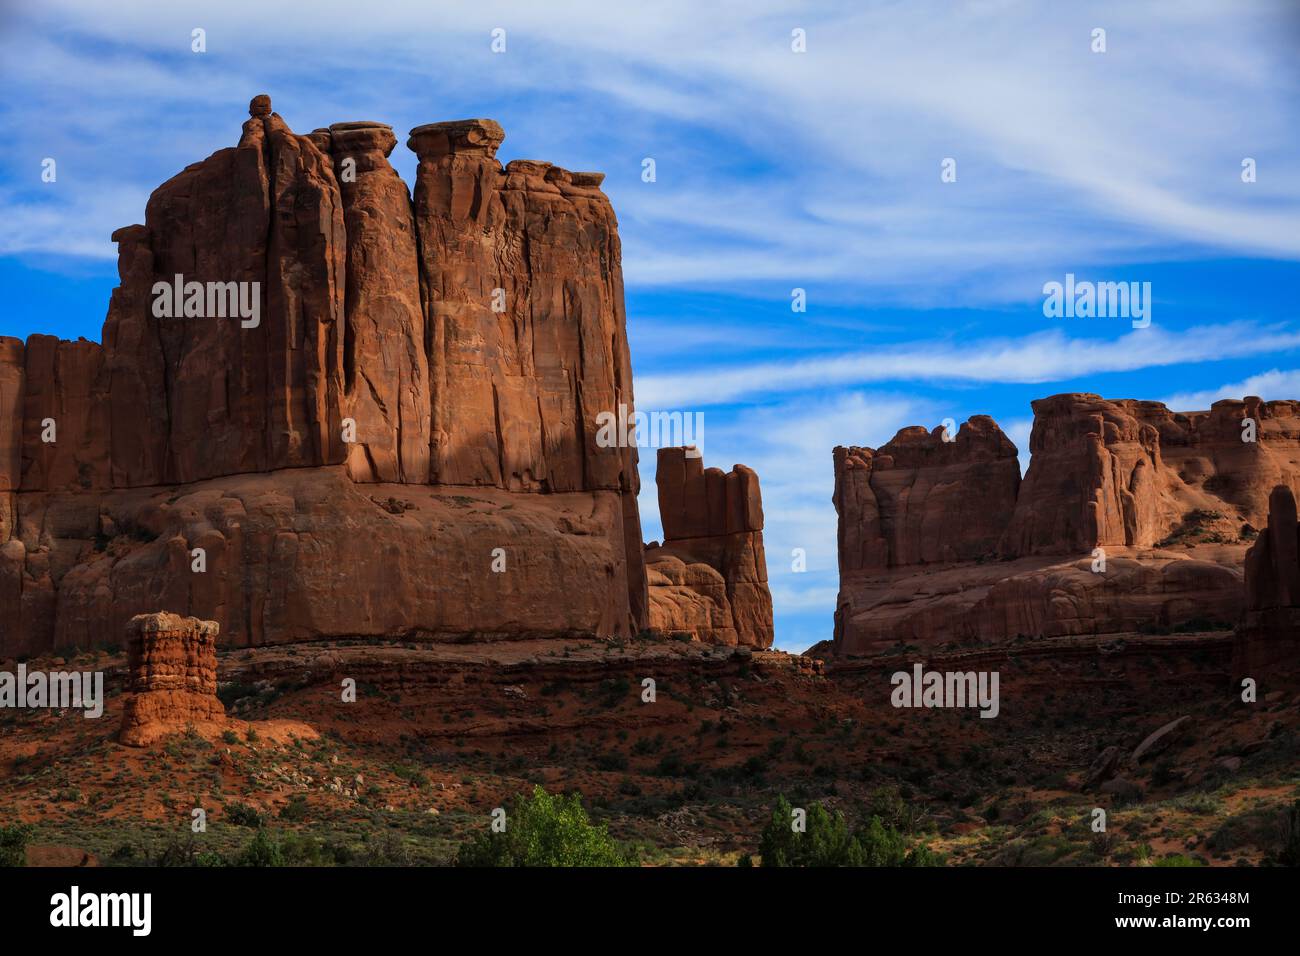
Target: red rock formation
[
  {"x": 171, "y": 678},
  {"x": 382, "y": 353},
  {"x": 919, "y": 499},
  {"x": 386, "y": 371},
  {"x": 1268, "y": 637},
  {"x": 1130, "y": 473},
  {"x": 1037, "y": 597},
  {"x": 709, "y": 578},
  {"x": 1125, "y": 476}
]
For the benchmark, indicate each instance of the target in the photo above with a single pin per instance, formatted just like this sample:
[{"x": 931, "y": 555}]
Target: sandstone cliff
[
  {"x": 942, "y": 541},
  {"x": 920, "y": 499},
  {"x": 1132, "y": 473},
  {"x": 1268, "y": 637},
  {"x": 709, "y": 577},
  {"x": 418, "y": 388}
]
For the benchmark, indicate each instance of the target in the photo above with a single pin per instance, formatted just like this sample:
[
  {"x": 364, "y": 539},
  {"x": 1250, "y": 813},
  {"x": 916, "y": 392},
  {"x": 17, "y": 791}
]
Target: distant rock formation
[
  {"x": 941, "y": 541},
  {"x": 1131, "y": 473},
  {"x": 709, "y": 577},
  {"x": 1268, "y": 638},
  {"x": 451, "y": 352},
  {"x": 171, "y": 678},
  {"x": 921, "y": 499}
]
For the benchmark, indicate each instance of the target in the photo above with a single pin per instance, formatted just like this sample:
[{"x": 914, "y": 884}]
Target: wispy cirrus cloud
[
  {"x": 772, "y": 166},
  {"x": 1270, "y": 385},
  {"x": 1044, "y": 357}
]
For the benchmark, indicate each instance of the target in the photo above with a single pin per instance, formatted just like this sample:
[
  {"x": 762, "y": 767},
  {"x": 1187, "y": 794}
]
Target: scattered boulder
[
  {"x": 1105, "y": 766},
  {"x": 1123, "y": 790},
  {"x": 1159, "y": 741}
]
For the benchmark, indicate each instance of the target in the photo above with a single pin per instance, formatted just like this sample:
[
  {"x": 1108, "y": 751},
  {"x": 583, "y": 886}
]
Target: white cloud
[
  {"x": 773, "y": 166},
  {"x": 1270, "y": 386},
  {"x": 1045, "y": 357}
]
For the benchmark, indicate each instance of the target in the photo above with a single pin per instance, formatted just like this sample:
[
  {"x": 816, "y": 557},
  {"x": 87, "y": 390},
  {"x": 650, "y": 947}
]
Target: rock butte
[
  {"x": 171, "y": 678},
  {"x": 944, "y": 540},
  {"x": 709, "y": 578},
  {"x": 475, "y": 426}
]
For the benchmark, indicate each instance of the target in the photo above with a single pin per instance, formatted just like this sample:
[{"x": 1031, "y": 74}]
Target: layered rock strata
[
  {"x": 171, "y": 678},
  {"x": 1131, "y": 473}
]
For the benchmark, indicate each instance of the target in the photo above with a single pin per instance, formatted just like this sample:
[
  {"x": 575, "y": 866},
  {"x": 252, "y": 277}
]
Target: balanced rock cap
[
  {"x": 453, "y": 136},
  {"x": 166, "y": 621},
  {"x": 362, "y": 135},
  {"x": 260, "y": 105}
]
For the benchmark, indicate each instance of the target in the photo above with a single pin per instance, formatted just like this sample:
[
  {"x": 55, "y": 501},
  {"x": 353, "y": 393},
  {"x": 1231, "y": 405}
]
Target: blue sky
[{"x": 775, "y": 170}]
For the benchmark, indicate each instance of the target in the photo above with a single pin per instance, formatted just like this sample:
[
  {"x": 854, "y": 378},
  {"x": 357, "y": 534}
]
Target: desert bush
[
  {"x": 242, "y": 815},
  {"x": 295, "y": 811},
  {"x": 545, "y": 830},
  {"x": 1256, "y": 827},
  {"x": 828, "y": 840},
  {"x": 13, "y": 844},
  {"x": 262, "y": 850},
  {"x": 888, "y": 804}
]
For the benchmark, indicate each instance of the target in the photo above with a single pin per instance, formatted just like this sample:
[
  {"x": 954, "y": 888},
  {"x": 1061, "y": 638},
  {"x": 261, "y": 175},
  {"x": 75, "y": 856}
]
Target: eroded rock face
[
  {"x": 920, "y": 499},
  {"x": 309, "y": 554},
  {"x": 709, "y": 577},
  {"x": 466, "y": 339},
  {"x": 171, "y": 678},
  {"x": 1170, "y": 499},
  {"x": 386, "y": 370},
  {"x": 1037, "y": 597},
  {"x": 1132, "y": 473},
  {"x": 1268, "y": 638}
]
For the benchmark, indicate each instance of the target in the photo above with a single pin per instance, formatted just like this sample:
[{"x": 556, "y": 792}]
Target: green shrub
[
  {"x": 295, "y": 811},
  {"x": 827, "y": 840},
  {"x": 545, "y": 830},
  {"x": 610, "y": 761},
  {"x": 13, "y": 844},
  {"x": 412, "y": 775},
  {"x": 1254, "y": 827},
  {"x": 262, "y": 850},
  {"x": 242, "y": 815}
]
